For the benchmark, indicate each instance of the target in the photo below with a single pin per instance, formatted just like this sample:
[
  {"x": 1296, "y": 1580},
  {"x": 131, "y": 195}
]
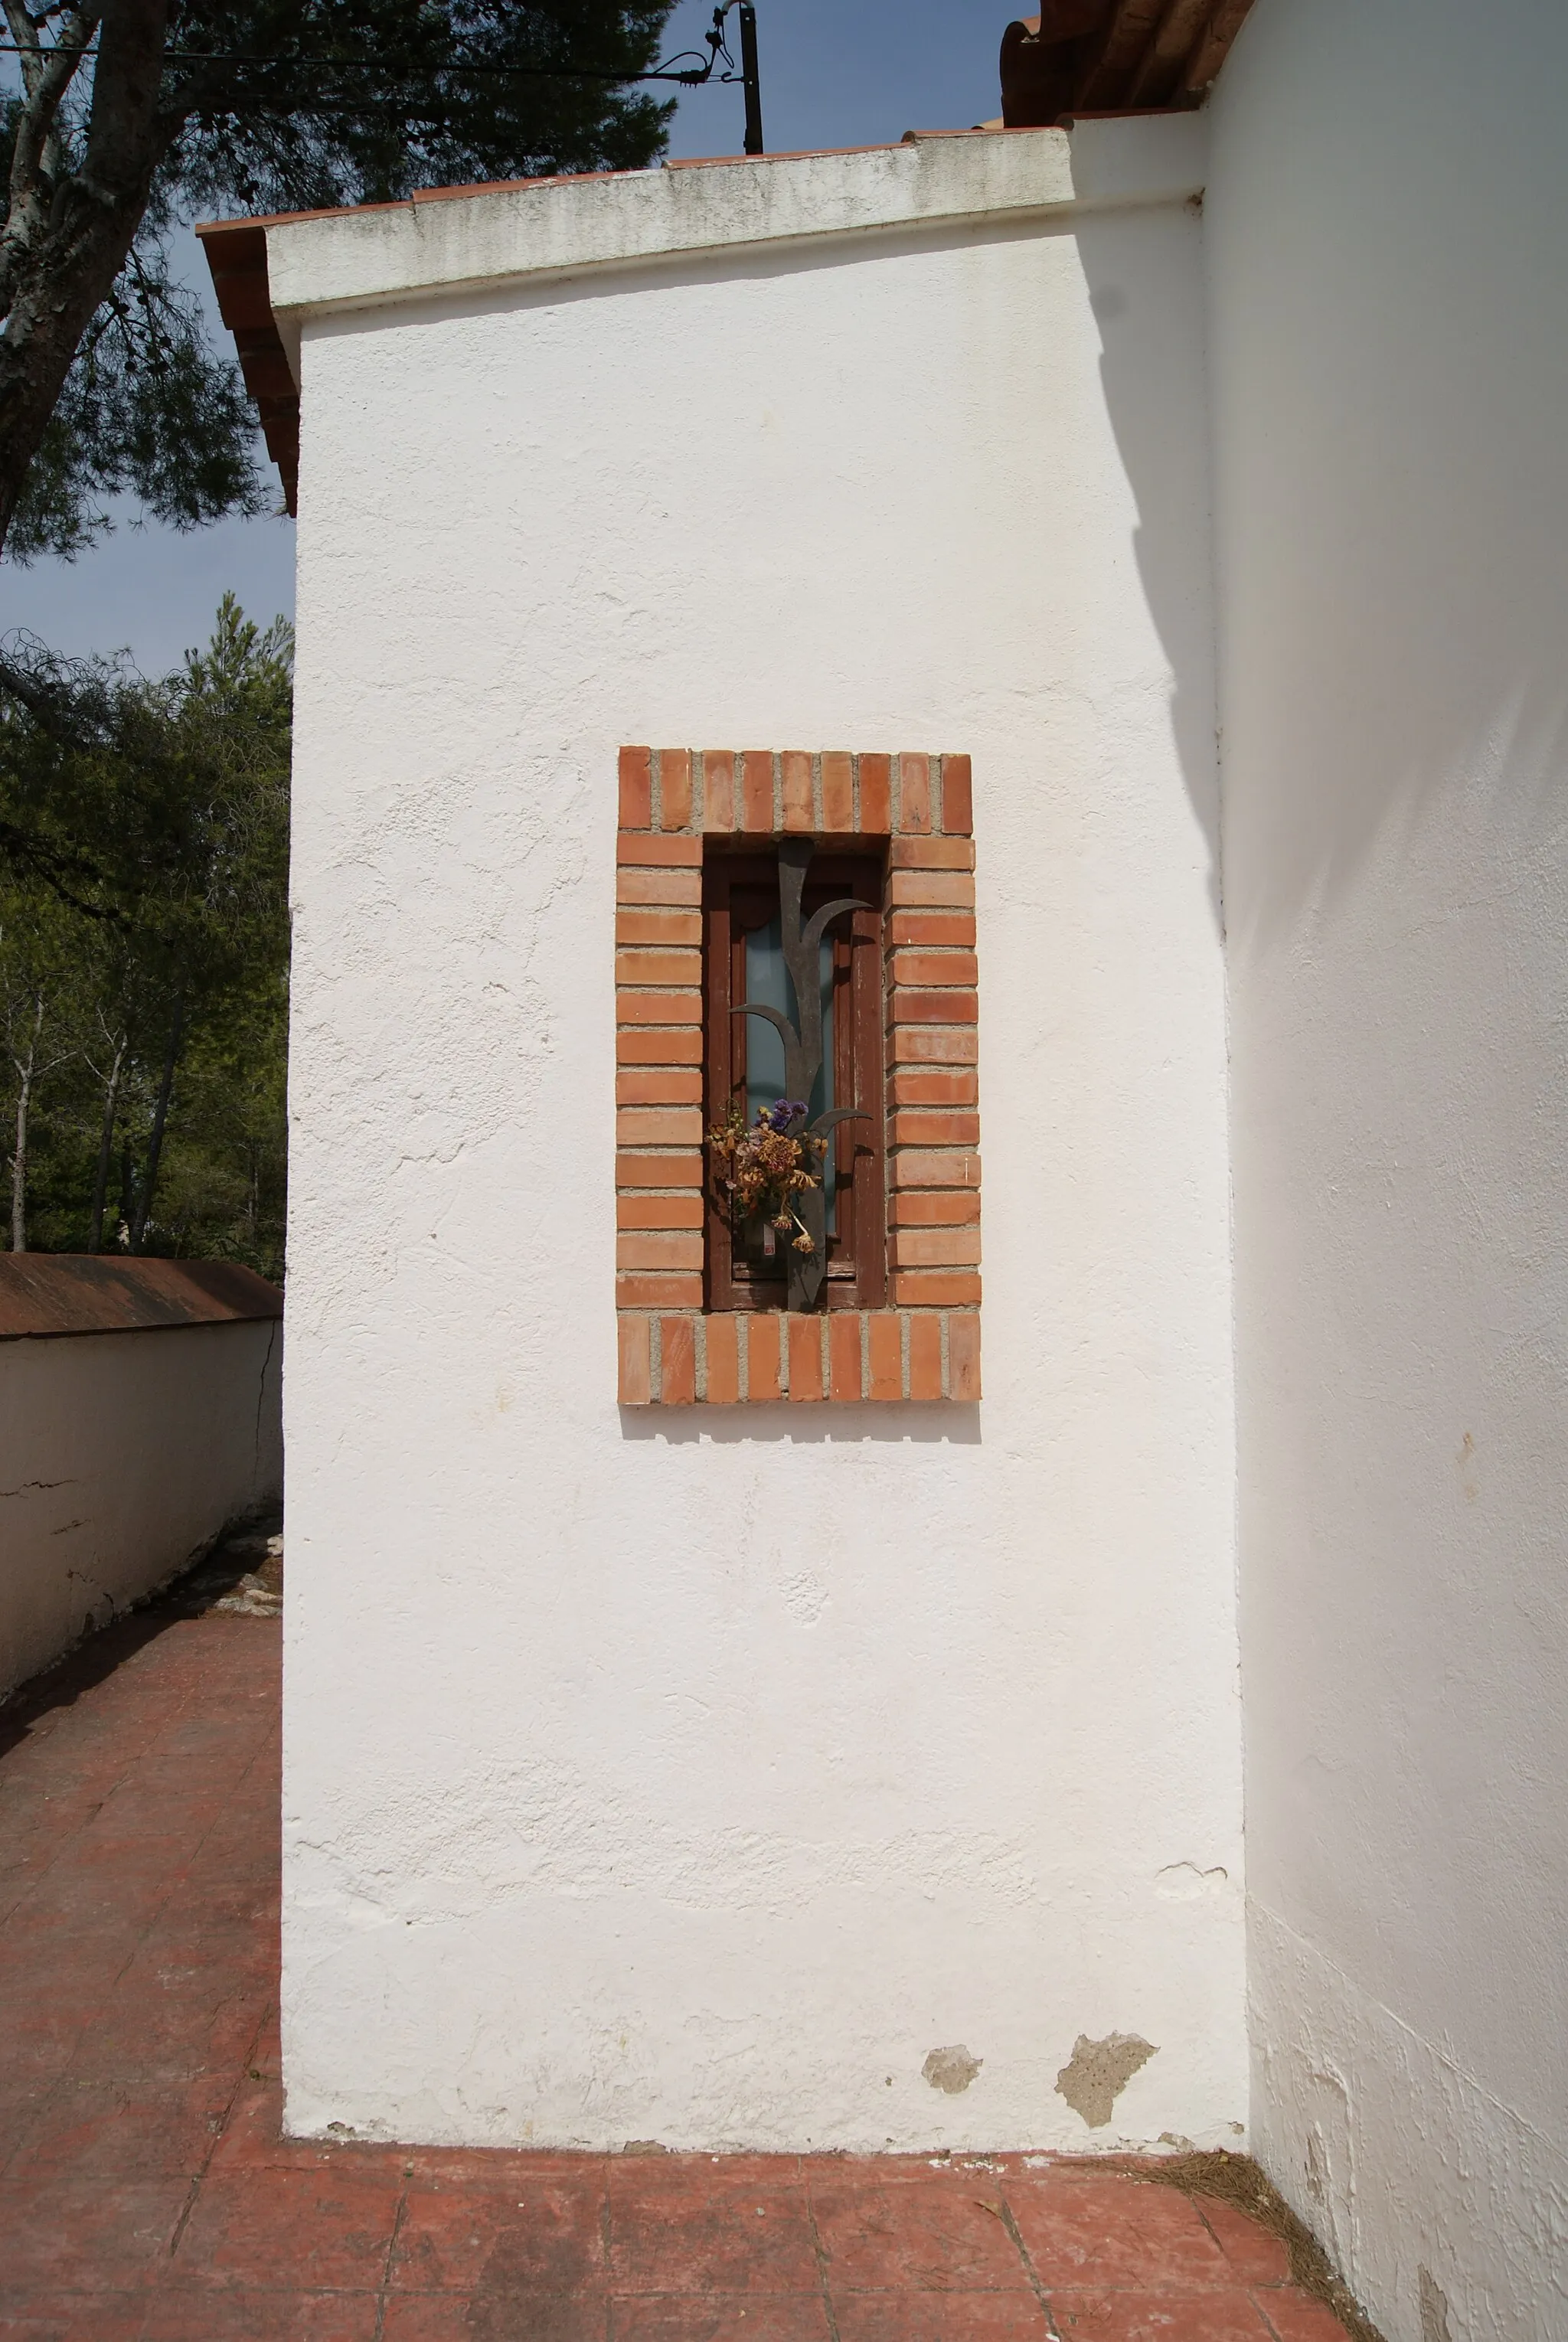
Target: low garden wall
[{"x": 140, "y": 1416}]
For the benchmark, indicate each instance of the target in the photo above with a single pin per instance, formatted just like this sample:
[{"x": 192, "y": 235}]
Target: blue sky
[{"x": 834, "y": 73}]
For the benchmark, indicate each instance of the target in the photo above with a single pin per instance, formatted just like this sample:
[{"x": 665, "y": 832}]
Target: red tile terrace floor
[{"x": 145, "y": 2191}]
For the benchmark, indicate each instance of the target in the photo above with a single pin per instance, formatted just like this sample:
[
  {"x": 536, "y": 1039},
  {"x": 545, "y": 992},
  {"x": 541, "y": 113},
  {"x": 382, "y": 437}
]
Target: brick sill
[{"x": 691, "y": 1359}]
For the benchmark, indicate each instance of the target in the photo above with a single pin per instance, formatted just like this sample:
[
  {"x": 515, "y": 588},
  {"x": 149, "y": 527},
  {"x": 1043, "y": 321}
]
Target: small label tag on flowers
[{"x": 770, "y": 1242}]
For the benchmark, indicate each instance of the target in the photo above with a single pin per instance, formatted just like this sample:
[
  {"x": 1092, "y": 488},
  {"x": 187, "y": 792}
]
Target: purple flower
[{"x": 779, "y": 1116}]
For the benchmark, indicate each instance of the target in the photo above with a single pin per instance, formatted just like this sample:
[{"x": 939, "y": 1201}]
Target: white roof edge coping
[{"x": 562, "y": 227}]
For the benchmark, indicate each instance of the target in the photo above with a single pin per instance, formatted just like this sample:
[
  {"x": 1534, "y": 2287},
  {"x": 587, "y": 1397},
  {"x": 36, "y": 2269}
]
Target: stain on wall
[
  {"x": 1434, "y": 2308},
  {"x": 952, "y": 2070},
  {"x": 1097, "y": 2073}
]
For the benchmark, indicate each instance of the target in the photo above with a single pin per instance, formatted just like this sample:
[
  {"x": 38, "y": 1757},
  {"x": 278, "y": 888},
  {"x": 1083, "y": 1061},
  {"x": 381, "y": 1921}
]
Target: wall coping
[{"x": 43, "y": 1294}]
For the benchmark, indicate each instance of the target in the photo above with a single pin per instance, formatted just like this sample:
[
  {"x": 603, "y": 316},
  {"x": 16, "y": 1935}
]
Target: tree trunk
[
  {"x": 67, "y": 233},
  {"x": 24, "y": 1066},
  {"x": 107, "y": 1146},
  {"x": 160, "y": 1117}
]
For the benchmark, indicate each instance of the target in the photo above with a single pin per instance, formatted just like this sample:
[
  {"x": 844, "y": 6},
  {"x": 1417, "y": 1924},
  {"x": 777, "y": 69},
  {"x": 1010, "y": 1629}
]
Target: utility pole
[{"x": 750, "y": 78}]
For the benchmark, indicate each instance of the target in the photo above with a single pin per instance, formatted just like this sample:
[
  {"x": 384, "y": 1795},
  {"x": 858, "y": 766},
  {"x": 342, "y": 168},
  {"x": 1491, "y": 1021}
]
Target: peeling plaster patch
[
  {"x": 1433, "y": 2300},
  {"x": 644, "y": 2147},
  {"x": 952, "y": 2070},
  {"x": 1099, "y": 2071},
  {"x": 1183, "y": 1882}
]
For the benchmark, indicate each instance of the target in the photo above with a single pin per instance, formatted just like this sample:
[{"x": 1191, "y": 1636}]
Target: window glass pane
[{"x": 768, "y": 984}]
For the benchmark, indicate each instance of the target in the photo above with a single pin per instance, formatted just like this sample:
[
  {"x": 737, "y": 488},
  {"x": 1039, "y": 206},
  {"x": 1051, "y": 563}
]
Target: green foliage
[
  {"x": 144, "y": 952},
  {"x": 147, "y": 407}
]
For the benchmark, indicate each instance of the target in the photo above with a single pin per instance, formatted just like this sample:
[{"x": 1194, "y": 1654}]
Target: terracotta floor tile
[
  {"x": 1134, "y": 2315},
  {"x": 943, "y": 2232},
  {"x": 305, "y": 2228},
  {"x": 235, "y": 2314},
  {"x": 72, "y": 2317},
  {"x": 1291, "y": 2315},
  {"x": 463, "y": 2237},
  {"x": 1254, "y": 2255},
  {"x": 496, "y": 2318},
  {"x": 698, "y": 2232},
  {"x": 1114, "y": 2231},
  {"x": 939, "y": 2318},
  {"x": 103, "y": 2129},
  {"x": 719, "y": 2317},
  {"x": 86, "y": 2236}
]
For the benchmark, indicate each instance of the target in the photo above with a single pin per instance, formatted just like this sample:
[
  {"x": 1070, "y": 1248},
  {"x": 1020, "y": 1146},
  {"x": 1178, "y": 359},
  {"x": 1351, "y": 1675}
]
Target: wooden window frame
[{"x": 858, "y": 1255}]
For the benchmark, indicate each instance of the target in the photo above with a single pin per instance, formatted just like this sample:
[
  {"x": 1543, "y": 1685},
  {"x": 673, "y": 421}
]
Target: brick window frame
[{"x": 675, "y": 805}]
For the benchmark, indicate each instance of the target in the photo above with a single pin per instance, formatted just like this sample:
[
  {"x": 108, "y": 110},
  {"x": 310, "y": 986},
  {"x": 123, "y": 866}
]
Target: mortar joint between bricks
[
  {"x": 946, "y": 1376},
  {"x": 903, "y": 1354},
  {"x": 655, "y": 1359},
  {"x": 742, "y": 1359},
  {"x": 865, "y": 1354},
  {"x": 700, "y": 1356},
  {"x": 818, "y": 817}
]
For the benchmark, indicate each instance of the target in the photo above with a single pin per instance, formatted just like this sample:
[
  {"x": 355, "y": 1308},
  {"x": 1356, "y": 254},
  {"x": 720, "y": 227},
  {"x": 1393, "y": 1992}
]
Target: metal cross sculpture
[{"x": 803, "y": 1055}]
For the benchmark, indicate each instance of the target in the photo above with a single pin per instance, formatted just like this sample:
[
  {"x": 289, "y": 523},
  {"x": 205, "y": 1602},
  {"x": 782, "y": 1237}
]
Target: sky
[{"x": 834, "y": 73}]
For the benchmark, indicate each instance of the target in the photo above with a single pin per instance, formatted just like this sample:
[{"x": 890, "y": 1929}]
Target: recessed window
[{"x": 744, "y": 1064}]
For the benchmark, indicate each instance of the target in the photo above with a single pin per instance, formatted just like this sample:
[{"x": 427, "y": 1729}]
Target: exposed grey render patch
[
  {"x": 951, "y": 2069},
  {"x": 1434, "y": 2307},
  {"x": 644, "y": 2147},
  {"x": 1098, "y": 2072}
]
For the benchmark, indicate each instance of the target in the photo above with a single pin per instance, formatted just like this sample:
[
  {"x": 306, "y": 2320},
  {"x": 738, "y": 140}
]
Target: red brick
[
  {"x": 938, "y": 1167},
  {"x": 763, "y": 1354},
  {"x": 933, "y": 1045},
  {"x": 876, "y": 795},
  {"x": 935, "y": 1207},
  {"x": 659, "y": 1125},
  {"x": 677, "y": 1361},
  {"x": 722, "y": 1333},
  {"x": 682, "y": 1211},
  {"x": 911, "y": 1007},
  {"x": 659, "y": 967},
  {"x": 658, "y": 848},
  {"x": 636, "y": 793},
  {"x": 658, "y": 1170},
  {"x": 718, "y": 789},
  {"x": 925, "y": 1355},
  {"x": 1294, "y": 2317},
  {"x": 757, "y": 791},
  {"x": 963, "y": 1355},
  {"x": 931, "y": 853},
  {"x": 844, "y": 1354},
  {"x": 837, "y": 791},
  {"x": 796, "y": 769},
  {"x": 805, "y": 1356},
  {"x": 632, "y": 1337},
  {"x": 660, "y": 1045},
  {"x": 677, "y": 1248},
  {"x": 944, "y": 890},
  {"x": 932, "y": 928},
  {"x": 927, "y": 1129},
  {"x": 640, "y": 1291},
  {"x": 674, "y": 788},
  {"x": 948, "y": 967},
  {"x": 681, "y": 889},
  {"x": 886, "y": 1343},
  {"x": 915, "y": 794},
  {"x": 658, "y": 1007},
  {"x": 662, "y": 1086},
  {"x": 934, "y": 1085},
  {"x": 669, "y": 928},
  {"x": 957, "y": 796},
  {"x": 916, "y": 1249},
  {"x": 935, "y": 1289}
]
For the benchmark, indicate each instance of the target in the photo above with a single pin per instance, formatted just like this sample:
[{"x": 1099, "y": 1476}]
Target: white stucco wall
[
  {"x": 693, "y": 1777},
  {"x": 122, "y": 1457},
  {"x": 1387, "y": 197}
]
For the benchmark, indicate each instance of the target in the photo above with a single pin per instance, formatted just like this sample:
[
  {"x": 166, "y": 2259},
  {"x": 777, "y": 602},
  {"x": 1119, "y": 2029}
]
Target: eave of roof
[{"x": 1077, "y": 60}]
